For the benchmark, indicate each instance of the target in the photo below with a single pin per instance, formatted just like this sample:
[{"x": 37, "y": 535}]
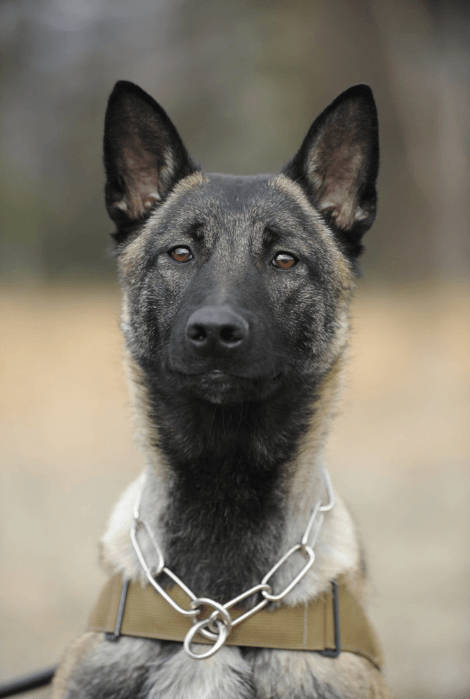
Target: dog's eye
[
  {"x": 181, "y": 253},
  {"x": 284, "y": 260}
]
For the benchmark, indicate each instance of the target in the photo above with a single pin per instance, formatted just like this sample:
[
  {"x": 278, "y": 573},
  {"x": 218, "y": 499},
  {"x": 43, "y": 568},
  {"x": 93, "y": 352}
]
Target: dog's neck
[{"x": 224, "y": 502}]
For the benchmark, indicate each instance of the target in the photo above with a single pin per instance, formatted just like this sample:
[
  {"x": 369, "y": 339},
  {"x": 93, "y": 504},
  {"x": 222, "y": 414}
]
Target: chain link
[
  {"x": 217, "y": 626},
  {"x": 308, "y": 553}
]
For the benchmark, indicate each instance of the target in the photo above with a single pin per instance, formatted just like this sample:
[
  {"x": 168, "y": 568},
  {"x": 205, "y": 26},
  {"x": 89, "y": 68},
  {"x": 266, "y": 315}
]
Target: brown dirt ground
[{"x": 399, "y": 453}]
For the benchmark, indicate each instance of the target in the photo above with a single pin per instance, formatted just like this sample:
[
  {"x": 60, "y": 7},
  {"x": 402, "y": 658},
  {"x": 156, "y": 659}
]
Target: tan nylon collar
[{"x": 129, "y": 609}]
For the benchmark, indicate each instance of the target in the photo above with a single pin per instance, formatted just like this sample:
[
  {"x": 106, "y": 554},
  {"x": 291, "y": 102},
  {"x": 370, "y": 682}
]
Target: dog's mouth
[{"x": 220, "y": 387}]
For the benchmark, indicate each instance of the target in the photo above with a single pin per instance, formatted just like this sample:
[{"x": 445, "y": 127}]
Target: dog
[{"x": 236, "y": 292}]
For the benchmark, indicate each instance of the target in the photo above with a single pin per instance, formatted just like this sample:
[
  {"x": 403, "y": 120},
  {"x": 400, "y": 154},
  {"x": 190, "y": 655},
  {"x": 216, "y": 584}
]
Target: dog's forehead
[
  {"x": 247, "y": 199},
  {"x": 243, "y": 205},
  {"x": 237, "y": 192},
  {"x": 243, "y": 194}
]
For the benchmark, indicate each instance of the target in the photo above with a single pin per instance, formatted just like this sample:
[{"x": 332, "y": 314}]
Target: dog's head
[{"x": 237, "y": 287}]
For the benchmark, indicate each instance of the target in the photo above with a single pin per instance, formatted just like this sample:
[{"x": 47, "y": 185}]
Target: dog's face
[{"x": 236, "y": 288}]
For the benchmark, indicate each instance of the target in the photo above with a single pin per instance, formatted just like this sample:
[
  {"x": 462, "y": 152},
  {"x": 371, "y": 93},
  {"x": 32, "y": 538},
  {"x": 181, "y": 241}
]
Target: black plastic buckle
[
  {"x": 116, "y": 634},
  {"x": 334, "y": 652}
]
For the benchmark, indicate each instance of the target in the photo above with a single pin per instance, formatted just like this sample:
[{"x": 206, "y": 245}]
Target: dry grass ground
[{"x": 399, "y": 453}]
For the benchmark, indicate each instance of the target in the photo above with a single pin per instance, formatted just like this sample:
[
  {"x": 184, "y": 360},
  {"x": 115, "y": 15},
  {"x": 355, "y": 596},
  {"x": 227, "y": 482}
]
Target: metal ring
[
  {"x": 220, "y": 613},
  {"x": 198, "y": 628}
]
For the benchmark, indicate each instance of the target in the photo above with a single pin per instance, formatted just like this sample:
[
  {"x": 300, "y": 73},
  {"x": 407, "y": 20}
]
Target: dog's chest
[{"x": 144, "y": 669}]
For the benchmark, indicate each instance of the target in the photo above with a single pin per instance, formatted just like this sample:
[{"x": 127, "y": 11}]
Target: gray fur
[{"x": 141, "y": 669}]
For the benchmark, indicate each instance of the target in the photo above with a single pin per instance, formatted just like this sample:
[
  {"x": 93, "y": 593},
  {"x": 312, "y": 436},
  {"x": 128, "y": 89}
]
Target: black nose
[{"x": 216, "y": 329}]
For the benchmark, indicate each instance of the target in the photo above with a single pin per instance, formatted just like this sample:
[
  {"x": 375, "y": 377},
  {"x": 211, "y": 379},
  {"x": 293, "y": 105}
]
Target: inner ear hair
[
  {"x": 338, "y": 184},
  {"x": 144, "y": 155},
  {"x": 338, "y": 161},
  {"x": 138, "y": 190}
]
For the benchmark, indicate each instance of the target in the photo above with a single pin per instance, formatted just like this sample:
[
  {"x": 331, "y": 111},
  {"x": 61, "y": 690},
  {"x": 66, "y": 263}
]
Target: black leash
[{"x": 28, "y": 682}]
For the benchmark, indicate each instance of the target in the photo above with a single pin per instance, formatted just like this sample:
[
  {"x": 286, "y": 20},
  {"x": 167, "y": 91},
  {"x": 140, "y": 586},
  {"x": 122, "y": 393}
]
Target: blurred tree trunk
[{"x": 428, "y": 53}]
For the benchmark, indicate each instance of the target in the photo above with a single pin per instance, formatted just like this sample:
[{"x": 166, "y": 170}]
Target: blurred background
[{"x": 242, "y": 81}]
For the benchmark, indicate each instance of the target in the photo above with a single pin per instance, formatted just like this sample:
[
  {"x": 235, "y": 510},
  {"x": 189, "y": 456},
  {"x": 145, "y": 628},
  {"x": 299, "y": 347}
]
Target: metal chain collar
[{"x": 217, "y": 626}]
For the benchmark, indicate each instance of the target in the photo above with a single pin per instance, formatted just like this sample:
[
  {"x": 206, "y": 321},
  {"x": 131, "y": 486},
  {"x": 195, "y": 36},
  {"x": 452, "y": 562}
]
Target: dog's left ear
[
  {"x": 144, "y": 156},
  {"x": 337, "y": 165}
]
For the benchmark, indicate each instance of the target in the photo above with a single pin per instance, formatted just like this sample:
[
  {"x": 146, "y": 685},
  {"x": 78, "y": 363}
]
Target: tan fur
[
  {"x": 343, "y": 270},
  {"x": 145, "y": 429},
  {"x": 353, "y": 676},
  {"x": 79, "y": 648},
  {"x": 131, "y": 259}
]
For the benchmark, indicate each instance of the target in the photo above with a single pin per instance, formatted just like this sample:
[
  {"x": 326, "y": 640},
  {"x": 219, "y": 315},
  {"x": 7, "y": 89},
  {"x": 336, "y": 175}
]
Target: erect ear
[
  {"x": 337, "y": 165},
  {"x": 144, "y": 156}
]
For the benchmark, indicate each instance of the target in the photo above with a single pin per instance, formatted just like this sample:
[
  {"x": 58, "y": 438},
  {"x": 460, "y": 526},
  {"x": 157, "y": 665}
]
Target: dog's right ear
[
  {"x": 337, "y": 165},
  {"x": 144, "y": 156}
]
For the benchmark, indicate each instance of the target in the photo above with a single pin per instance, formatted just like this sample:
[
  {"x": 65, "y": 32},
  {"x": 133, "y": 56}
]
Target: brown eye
[
  {"x": 181, "y": 253},
  {"x": 284, "y": 260}
]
